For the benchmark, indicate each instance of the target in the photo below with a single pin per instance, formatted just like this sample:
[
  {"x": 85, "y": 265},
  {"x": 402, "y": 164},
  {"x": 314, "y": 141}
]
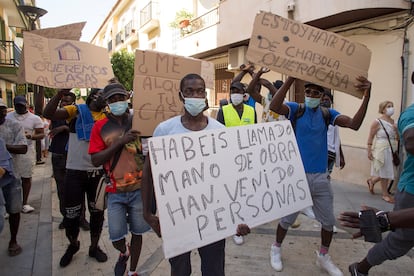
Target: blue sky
[{"x": 62, "y": 12}]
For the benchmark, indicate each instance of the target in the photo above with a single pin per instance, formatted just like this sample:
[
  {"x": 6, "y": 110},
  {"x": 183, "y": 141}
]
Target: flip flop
[
  {"x": 370, "y": 186},
  {"x": 14, "y": 250},
  {"x": 388, "y": 199}
]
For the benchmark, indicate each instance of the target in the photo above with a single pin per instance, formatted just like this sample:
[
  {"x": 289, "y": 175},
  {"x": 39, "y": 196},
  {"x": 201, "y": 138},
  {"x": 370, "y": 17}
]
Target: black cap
[
  {"x": 20, "y": 100},
  {"x": 278, "y": 84},
  {"x": 114, "y": 89},
  {"x": 238, "y": 85},
  {"x": 320, "y": 88}
]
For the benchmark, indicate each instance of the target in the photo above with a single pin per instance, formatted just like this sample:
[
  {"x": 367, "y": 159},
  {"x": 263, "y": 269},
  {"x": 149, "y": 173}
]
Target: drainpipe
[{"x": 404, "y": 63}]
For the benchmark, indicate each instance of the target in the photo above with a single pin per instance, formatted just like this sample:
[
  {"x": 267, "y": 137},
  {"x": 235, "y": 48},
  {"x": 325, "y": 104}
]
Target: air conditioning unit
[{"x": 236, "y": 57}]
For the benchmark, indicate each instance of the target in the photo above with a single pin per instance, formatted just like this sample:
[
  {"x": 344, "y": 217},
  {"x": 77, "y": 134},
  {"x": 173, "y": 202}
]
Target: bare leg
[
  {"x": 280, "y": 234},
  {"x": 26, "y": 185}
]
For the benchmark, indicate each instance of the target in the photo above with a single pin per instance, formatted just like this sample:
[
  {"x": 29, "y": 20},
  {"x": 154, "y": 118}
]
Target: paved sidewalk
[{"x": 43, "y": 243}]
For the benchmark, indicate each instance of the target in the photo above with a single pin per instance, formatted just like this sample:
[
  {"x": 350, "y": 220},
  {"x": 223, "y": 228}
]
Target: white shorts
[{"x": 23, "y": 163}]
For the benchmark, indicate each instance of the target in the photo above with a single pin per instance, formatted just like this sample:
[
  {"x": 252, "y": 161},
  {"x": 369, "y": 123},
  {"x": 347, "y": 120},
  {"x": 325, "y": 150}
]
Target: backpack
[{"x": 301, "y": 109}]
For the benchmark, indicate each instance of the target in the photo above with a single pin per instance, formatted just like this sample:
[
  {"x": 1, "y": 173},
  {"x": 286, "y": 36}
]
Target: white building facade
[{"x": 219, "y": 32}]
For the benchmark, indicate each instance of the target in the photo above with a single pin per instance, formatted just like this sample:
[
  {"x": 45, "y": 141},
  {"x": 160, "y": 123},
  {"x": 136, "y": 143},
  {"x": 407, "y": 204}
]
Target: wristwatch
[{"x": 383, "y": 221}]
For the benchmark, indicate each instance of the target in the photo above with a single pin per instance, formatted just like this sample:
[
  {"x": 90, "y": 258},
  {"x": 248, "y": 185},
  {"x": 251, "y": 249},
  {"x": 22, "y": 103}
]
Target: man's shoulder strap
[
  {"x": 298, "y": 114},
  {"x": 326, "y": 115},
  {"x": 301, "y": 110}
]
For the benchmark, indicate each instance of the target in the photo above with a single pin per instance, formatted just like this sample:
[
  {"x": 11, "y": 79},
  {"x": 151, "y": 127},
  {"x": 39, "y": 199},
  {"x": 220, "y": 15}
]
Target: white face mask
[
  {"x": 389, "y": 111},
  {"x": 236, "y": 98},
  {"x": 194, "y": 106}
]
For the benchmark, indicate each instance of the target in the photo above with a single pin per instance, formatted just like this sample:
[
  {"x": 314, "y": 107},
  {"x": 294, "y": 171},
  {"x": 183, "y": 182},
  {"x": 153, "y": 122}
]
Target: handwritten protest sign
[
  {"x": 59, "y": 63},
  {"x": 71, "y": 31},
  {"x": 157, "y": 83},
  {"x": 308, "y": 53},
  {"x": 208, "y": 182}
]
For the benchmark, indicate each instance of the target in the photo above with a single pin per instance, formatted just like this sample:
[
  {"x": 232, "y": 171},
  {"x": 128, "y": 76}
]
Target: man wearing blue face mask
[
  {"x": 193, "y": 95},
  {"x": 116, "y": 146},
  {"x": 311, "y": 135}
]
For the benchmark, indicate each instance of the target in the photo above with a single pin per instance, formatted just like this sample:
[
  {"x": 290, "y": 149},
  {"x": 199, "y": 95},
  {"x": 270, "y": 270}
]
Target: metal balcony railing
[
  {"x": 129, "y": 29},
  {"x": 148, "y": 13},
  {"x": 206, "y": 20},
  {"x": 10, "y": 53},
  {"x": 110, "y": 45},
  {"x": 118, "y": 39}
]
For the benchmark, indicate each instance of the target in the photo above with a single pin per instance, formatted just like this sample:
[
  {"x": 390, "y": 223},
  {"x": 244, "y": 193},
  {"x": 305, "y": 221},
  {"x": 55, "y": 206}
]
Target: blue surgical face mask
[
  {"x": 312, "y": 102},
  {"x": 194, "y": 106},
  {"x": 118, "y": 108}
]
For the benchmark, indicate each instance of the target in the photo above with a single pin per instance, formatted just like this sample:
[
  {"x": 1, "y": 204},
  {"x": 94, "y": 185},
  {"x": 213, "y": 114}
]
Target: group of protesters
[{"x": 100, "y": 144}]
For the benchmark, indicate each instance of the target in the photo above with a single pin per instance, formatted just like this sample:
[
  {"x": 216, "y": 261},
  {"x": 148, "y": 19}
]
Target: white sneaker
[
  {"x": 27, "y": 209},
  {"x": 326, "y": 263},
  {"x": 276, "y": 258},
  {"x": 335, "y": 230},
  {"x": 6, "y": 215},
  {"x": 238, "y": 240},
  {"x": 308, "y": 211}
]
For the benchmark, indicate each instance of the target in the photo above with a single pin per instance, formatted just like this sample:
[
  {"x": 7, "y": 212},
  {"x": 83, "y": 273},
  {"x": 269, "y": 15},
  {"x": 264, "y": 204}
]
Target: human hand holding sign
[{"x": 363, "y": 85}]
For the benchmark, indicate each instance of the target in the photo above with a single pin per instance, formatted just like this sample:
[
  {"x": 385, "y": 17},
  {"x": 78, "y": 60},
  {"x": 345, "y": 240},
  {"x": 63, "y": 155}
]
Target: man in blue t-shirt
[{"x": 311, "y": 135}]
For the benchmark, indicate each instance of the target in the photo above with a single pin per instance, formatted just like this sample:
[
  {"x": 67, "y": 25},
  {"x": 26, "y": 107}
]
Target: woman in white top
[{"x": 380, "y": 152}]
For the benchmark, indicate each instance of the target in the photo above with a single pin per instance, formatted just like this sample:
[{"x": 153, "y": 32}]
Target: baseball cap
[
  {"x": 20, "y": 100},
  {"x": 114, "y": 89},
  {"x": 278, "y": 84},
  {"x": 2, "y": 104},
  {"x": 237, "y": 85},
  {"x": 320, "y": 88}
]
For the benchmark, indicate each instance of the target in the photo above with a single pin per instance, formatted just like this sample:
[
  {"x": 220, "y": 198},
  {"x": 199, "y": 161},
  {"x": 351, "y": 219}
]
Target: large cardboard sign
[
  {"x": 59, "y": 63},
  {"x": 70, "y": 31},
  {"x": 208, "y": 182},
  {"x": 157, "y": 83},
  {"x": 308, "y": 53}
]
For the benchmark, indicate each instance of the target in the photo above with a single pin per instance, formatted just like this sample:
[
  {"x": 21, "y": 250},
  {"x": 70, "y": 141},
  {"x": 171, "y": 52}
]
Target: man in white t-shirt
[{"x": 33, "y": 128}]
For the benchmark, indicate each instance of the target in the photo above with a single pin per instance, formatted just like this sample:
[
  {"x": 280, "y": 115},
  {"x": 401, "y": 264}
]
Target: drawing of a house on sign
[{"x": 68, "y": 51}]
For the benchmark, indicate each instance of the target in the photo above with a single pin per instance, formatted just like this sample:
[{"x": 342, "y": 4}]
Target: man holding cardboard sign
[
  {"x": 193, "y": 95},
  {"x": 311, "y": 135}
]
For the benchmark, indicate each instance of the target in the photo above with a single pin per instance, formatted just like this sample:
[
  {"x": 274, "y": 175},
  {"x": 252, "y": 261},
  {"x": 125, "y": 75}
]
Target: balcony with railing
[
  {"x": 206, "y": 20},
  {"x": 110, "y": 45},
  {"x": 149, "y": 17},
  {"x": 200, "y": 35},
  {"x": 130, "y": 32},
  {"x": 119, "y": 38},
  {"x": 10, "y": 54}
]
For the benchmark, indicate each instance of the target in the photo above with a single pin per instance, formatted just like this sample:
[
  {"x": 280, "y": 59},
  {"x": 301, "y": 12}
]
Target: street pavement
[{"x": 43, "y": 243}]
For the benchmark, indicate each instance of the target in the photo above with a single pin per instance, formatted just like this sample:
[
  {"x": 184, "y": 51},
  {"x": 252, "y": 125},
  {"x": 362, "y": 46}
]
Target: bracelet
[{"x": 369, "y": 144}]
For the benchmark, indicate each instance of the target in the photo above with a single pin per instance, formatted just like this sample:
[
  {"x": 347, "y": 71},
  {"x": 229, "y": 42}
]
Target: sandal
[
  {"x": 388, "y": 199},
  {"x": 14, "y": 250},
  {"x": 371, "y": 187}
]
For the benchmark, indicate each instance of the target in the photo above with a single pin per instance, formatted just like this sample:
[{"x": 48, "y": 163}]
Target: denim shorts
[
  {"x": 125, "y": 209},
  {"x": 12, "y": 193}
]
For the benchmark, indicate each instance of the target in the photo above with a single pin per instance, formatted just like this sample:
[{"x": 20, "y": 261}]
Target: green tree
[
  {"x": 123, "y": 66},
  {"x": 49, "y": 92}
]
